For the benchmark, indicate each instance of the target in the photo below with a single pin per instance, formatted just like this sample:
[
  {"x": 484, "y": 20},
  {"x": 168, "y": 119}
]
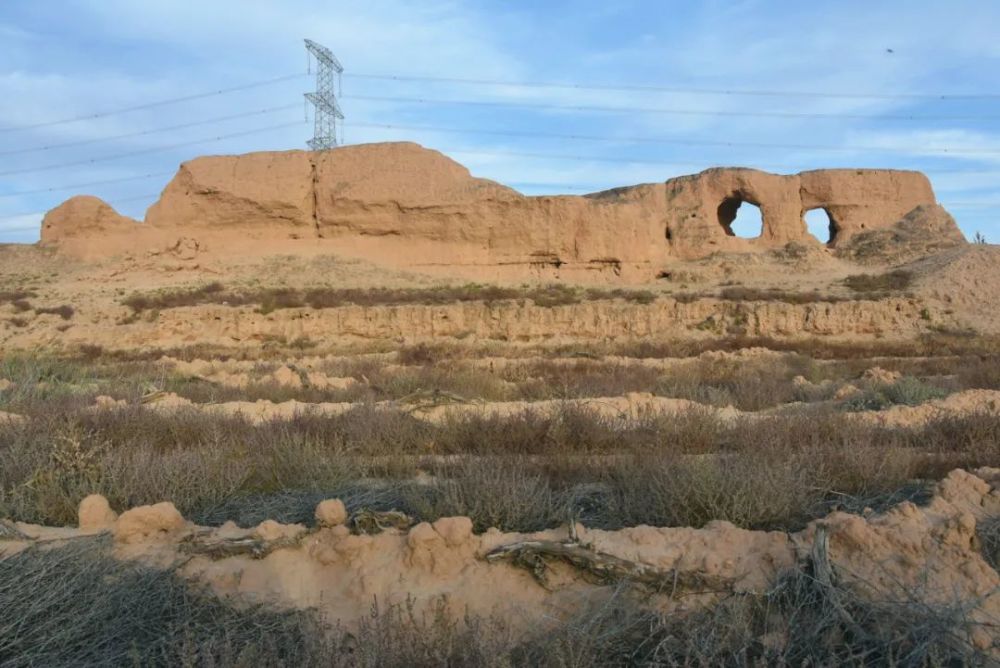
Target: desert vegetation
[
  {"x": 270, "y": 299},
  {"x": 519, "y": 471},
  {"x": 794, "y": 451},
  {"x": 887, "y": 283}
]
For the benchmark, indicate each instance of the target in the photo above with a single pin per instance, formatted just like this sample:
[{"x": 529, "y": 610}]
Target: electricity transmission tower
[{"x": 324, "y": 99}]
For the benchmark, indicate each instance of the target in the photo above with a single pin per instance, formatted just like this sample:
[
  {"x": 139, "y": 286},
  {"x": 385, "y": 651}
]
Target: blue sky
[{"x": 880, "y": 69}]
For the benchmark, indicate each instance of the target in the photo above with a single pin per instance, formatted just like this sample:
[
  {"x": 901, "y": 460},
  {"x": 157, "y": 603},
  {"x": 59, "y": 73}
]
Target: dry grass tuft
[
  {"x": 747, "y": 294},
  {"x": 891, "y": 282},
  {"x": 65, "y": 311},
  {"x": 78, "y": 606}
]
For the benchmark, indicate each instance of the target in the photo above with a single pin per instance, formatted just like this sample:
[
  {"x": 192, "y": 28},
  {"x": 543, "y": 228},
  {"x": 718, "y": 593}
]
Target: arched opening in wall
[
  {"x": 740, "y": 218},
  {"x": 821, "y": 225}
]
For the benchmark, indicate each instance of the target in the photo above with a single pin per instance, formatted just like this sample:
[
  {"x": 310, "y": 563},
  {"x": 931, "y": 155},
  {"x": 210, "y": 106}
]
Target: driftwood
[{"x": 606, "y": 568}]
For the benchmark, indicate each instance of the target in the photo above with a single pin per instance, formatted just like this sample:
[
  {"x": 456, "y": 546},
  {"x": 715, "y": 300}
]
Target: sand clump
[
  {"x": 160, "y": 522},
  {"x": 95, "y": 514},
  {"x": 331, "y": 513}
]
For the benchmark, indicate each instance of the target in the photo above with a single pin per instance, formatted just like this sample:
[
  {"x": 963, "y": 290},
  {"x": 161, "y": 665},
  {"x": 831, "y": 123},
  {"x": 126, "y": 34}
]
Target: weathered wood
[
  {"x": 606, "y": 568},
  {"x": 826, "y": 578},
  {"x": 223, "y": 548},
  {"x": 375, "y": 521}
]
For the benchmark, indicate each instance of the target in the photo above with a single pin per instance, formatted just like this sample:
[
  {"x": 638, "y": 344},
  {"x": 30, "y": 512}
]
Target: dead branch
[
  {"x": 826, "y": 577},
  {"x": 373, "y": 521},
  {"x": 223, "y": 548},
  {"x": 606, "y": 568}
]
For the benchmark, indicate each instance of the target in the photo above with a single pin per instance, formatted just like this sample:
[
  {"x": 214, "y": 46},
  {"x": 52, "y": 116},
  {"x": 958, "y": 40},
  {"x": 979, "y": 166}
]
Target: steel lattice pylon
[{"x": 324, "y": 99}]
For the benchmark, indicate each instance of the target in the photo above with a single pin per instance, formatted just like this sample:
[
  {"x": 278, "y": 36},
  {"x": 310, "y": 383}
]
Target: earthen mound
[
  {"x": 83, "y": 217},
  {"x": 926, "y": 230},
  {"x": 964, "y": 279}
]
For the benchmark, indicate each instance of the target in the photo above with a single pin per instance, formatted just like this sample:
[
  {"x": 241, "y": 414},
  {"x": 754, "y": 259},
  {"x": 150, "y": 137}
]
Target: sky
[{"x": 648, "y": 90}]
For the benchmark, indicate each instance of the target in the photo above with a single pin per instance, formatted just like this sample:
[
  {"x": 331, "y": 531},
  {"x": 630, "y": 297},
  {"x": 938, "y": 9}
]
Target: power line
[
  {"x": 86, "y": 185},
  {"x": 158, "y": 103},
  {"x": 668, "y": 111},
  {"x": 777, "y": 167},
  {"x": 154, "y": 149},
  {"x": 141, "y": 133},
  {"x": 678, "y": 89},
  {"x": 669, "y": 140},
  {"x": 517, "y": 84}
]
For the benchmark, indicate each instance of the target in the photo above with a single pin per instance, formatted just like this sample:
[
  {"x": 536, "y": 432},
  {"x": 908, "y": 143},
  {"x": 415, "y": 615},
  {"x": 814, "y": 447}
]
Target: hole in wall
[
  {"x": 821, "y": 225},
  {"x": 740, "y": 218}
]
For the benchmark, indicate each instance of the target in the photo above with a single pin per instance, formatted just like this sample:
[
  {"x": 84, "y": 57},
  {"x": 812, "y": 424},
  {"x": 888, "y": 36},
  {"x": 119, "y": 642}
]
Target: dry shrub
[
  {"x": 978, "y": 372},
  {"x": 139, "y": 302},
  {"x": 907, "y": 391},
  {"x": 397, "y": 636},
  {"x": 422, "y": 354},
  {"x": 270, "y": 299},
  {"x": 10, "y": 296},
  {"x": 747, "y": 294},
  {"x": 879, "y": 284},
  {"x": 683, "y": 469},
  {"x": 547, "y": 379},
  {"x": 76, "y": 605},
  {"x": 496, "y": 491},
  {"x": 935, "y": 344},
  {"x": 65, "y": 311},
  {"x": 136, "y": 457},
  {"x": 746, "y": 384}
]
